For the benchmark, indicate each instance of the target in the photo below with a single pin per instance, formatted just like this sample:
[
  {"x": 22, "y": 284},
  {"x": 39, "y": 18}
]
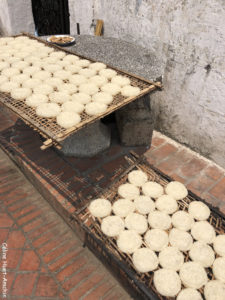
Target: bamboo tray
[
  {"x": 48, "y": 128},
  {"x": 106, "y": 248}
]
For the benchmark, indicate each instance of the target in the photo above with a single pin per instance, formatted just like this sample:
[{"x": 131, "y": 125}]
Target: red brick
[
  {"x": 72, "y": 268},
  {"x": 65, "y": 259},
  {"x": 99, "y": 292},
  {"x": 193, "y": 167},
  {"x": 157, "y": 141},
  {"x": 16, "y": 239},
  {"x": 24, "y": 284},
  {"x": 214, "y": 173},
  {"x": 218, "y": 190},
  {"x": 29, "y": 217},
  {"x": 46, "y": 287},
  {"x": 34, "y": 224},
  {"x": 43, "y": 239},
  {"x": 164, "y": 151},
  {"x": 86, "y": 286},
  {"x": 200, "y": 184},
  {"x": 78, "y": 277},
  {"x": 13, "y": 257},
  {"x": 3, "y": 234},
  {"x": 42, "y": 229},
  {"x": 5, "y": 220},
  {"x": 210, "y": 199},
  {"x": 24, "y": 211},
  {"x": 30, "y": 261},
  {"x": 176, "y": 177},
  {"x": 59, "y": 251},
  {"x": 10, "y": 278},
  {"x": 52, "y": 244},
  {"x": 18, "y": 205}
]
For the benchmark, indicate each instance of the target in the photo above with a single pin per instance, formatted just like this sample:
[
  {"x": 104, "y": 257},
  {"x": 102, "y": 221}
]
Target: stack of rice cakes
[
  {"x": 148, "y": 224},
  {"x": 58, "y": 85}
]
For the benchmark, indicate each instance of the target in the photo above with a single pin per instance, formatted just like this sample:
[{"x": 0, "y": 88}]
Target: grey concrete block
[{"x": 87, "y": 142}]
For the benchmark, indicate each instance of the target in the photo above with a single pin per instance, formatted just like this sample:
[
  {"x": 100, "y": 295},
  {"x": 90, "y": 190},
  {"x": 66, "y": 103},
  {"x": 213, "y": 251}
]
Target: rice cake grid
[
  {"x": 94, "y": 224},
  {"x": 48, "y": 127}
]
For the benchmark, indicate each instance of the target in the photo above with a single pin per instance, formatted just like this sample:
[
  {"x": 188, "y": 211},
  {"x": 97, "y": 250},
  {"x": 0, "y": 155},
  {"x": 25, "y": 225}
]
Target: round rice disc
[
  {"x": 137, "y": 177},
  {"x": 159, "y": 220},
  {"x": 171, "y": 258},
  {"x": 55, "y": 82},
  {"x": 73, "y": 69},
  {"x": 32, "y": 70},
  {"x": 44, "y": 89},
  {"x": 123, "y": 207},
  {"x": 21, "y": 78},
  {"x": 102, "y": 97},
  {"x": 202, "y": 253},
  {"x": 68, "y": 119},
  {"x": 167, "y": 282},
  {"x": 48, "y": 110},
  {"x": 78, "y": 79},
  {"x": 86, "y": 72},
  {"x": 31, "y": 59},
  {"x": 73, "y": 107},
  {"x": 112, "y": 226},
  {"x": 21, "y": 93},
  {"x": 145, "y": 260},
  {"x": 166, "y": 204},
  {"x": 97, "y": 66},
  {"x": 3, "y": 79},
  {"x": 81, "y": 98},
  {"x": 71, "y": 58},
  {"x": 203, "y": 231},
  {"x": 130, "y": 91},
  {"x": 121, "y": 80},
  {"x": 67, "y": 88},
  {"x": 4, "y": 65},
  {"x": 98, "y": 80},
  {"x": 35, "y": 99},
  {"x": 63, "y": 64},
  {"x": 58, "y": 54},
  {"x": 9, "y": 72},
  {"x": 176, "y": 189},
  {"x": 129, "y": 241},
  {"x": 59, "y": 97},
  {"x": 22, "y": 54},
  {"x": 107, "y": 73},
  {"x": 52, "y": 68},
  {"x": 182, "y": 220},
  {"x": 100, "y": 208},
  {"x": 219, "y": 268},
  {"x": 180, "y": 239},
  {"x": 50, "y": 60},
  {"x": 193, "y": 275},
  {"x": 8, "y": 86},
  {"x": 136, "y": 222},
  {"x": 111, "y": 88},
  {"x": 152, "y": 189},
  {"x": 88, "y": 88},
  {"x": 31, "y": 83},
  {"x": 128, "y": 191},
  {"x": 156, "y": 239},
  {"x": 42, "y": 75},
  {"x": 214, "y": 290},
  {"x": 219, "y": 244},
  {"x": 83, "y": 63},
  {"x": 189, "y": 294},
  {"x": 95, "y": 108},
  {"x": 199, "y": 210},
  {"x": 144, "y": 205},
  {"x": 64, "y": 75},
  {"x": 21, "y": 65}
]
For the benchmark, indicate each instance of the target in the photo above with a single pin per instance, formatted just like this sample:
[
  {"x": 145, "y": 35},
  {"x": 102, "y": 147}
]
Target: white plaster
[
  {"x": 5, "y": 24},
  {"x": 187, "y": 36}
]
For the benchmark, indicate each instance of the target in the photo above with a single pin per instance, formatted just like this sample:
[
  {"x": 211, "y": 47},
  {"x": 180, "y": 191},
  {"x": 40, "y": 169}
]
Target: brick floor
[{"x": 45, "y": 259}]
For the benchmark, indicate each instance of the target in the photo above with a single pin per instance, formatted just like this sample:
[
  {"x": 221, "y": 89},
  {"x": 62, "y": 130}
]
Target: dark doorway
[{"x": 51, "y": 16}]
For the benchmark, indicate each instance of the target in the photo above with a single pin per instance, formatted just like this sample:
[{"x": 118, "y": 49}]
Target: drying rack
[
  {"x": 106, "y": 248},
  {"x": 48, "y": 128}
]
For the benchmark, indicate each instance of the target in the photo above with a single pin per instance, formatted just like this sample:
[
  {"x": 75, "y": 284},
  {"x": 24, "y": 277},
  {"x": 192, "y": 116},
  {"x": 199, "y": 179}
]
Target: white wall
[
  {"x": 187, "y": 36},
  {"x": 16, "y": 16}
]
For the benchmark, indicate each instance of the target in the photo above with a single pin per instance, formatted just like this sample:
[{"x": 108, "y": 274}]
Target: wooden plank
[{"x": 99, "y": 28}]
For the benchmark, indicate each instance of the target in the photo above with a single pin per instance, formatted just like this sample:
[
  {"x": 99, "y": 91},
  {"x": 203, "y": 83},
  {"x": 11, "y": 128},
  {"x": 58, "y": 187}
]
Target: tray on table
[
  {"x": 48, "y": 128},
  {"x": 106, "y": 248}
]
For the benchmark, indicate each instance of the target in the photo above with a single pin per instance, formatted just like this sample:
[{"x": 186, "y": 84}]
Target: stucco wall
[
  {"x": 16, "y": 16},
  {"x": 189, "y": 37}
]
